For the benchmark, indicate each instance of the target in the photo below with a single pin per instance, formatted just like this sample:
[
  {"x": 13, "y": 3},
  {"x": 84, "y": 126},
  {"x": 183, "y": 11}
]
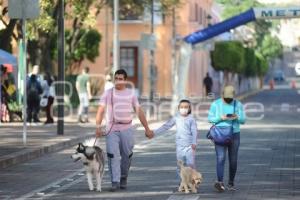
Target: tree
[
  {"x": 228, "y": 56},
  {"x": 7, "y": 34},
  {"x": 271, "y": 47},
  {"x": 42, "y": 32},
  {"x": 262, "y": 67},
  {"x": 82, "y": 17},
  {"x": 266, "y": 45},
  {"x": 250, "y": 63},
  {"x": 133, "y": 8}
]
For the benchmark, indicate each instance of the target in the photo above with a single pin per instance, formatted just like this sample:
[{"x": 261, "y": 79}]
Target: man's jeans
[{"x": 233, "y": 156}]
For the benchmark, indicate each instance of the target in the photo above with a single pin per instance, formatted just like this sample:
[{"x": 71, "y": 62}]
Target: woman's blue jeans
[{"x": 233, "y": 157}]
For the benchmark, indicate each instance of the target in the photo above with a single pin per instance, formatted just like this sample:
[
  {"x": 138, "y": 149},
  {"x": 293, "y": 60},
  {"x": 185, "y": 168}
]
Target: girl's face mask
[
  {"x": 228, "y": 100},
  {"x": 183, "y": 111},
  {"x": 184, "y": 108}
]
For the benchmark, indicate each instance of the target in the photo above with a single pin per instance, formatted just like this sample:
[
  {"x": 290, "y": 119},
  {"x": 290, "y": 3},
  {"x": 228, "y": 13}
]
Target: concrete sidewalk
[{"x": 42, "y": 139}]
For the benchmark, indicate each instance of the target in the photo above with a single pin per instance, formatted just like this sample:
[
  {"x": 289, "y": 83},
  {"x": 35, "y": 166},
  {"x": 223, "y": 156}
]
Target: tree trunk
[{"x": 5, "y": 39}]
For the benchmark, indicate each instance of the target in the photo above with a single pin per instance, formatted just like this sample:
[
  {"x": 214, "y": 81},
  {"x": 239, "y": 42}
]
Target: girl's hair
[{"x": 186, "y": 101}]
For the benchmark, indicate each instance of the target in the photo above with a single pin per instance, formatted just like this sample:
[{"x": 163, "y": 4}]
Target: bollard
[
  {"x": 271, "y": 83},
  {"x": 293, "y": 84}
]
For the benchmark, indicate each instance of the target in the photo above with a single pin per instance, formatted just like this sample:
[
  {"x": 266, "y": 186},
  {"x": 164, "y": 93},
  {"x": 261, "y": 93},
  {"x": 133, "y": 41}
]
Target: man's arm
[
  {"x": 99, "y": 118},
  {"x": 88, "y": 87},
  {"x": 142, "y": 118}
]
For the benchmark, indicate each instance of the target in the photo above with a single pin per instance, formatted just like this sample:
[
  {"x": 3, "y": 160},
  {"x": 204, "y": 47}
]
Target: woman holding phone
[{"x": 227, "y": 111}]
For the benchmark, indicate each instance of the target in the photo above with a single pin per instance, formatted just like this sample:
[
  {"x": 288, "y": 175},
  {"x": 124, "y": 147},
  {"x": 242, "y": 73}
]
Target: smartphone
[{"x": 229, "y": 115}]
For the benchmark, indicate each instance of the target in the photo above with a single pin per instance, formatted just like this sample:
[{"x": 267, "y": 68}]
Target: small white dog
[
  {"x": 190, "y": 178},
  {"x": 93, "y": 160}
]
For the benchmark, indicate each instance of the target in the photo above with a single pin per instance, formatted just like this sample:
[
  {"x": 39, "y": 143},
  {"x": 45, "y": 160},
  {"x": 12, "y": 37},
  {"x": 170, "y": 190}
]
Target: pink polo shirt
[{"x": 124, "y": 102}]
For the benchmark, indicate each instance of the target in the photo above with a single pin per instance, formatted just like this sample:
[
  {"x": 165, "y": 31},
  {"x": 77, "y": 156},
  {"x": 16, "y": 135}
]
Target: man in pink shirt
[{"x": 120, "y": 103}]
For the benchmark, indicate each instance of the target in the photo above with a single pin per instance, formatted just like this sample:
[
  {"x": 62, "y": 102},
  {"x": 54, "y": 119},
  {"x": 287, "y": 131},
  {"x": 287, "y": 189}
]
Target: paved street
[{"x": 269, "y": 163}]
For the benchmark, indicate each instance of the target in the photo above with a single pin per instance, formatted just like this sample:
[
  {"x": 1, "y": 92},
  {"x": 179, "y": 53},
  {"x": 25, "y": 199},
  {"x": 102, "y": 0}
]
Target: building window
[
  {"x": 129, "y": 62},
  {"x": 200, "y": 15},
  {"x": 129, "y": 11},
  {"x": 196, "y": 12},
  {"x": 191, "y": 17}
]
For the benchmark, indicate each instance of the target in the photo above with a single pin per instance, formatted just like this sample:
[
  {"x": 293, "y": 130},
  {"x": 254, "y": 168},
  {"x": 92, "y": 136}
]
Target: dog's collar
[{"x": 85, "y": 163}]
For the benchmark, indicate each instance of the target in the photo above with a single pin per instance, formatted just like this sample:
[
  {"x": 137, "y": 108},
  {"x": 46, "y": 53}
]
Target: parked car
[
  {"x": 297, "y": 69},
  {"x": 278, "y": 75}
]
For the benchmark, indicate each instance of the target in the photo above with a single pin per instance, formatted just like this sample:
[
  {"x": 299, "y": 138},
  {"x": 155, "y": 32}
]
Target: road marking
[
  {"x": 285, "y": 107},
  {"x": 40, "y": 191},
  {"x": 67, "y": 181},
  {"x": 183, "y": 197}
]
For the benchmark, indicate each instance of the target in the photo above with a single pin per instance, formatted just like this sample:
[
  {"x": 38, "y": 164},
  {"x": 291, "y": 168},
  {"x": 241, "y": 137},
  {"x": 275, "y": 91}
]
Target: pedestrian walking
[
  {"x": 226, "y": 112},
  {"x": 108, "y": 82},
  {"x": 34, "y": 90},
  {"x": 83, "y": 88},
  {"x": 119, "y": 103},
  {"x": 48, "y": 96},
  {"x": 208, "y": 83},
  {"x": 186, "y": 134},
  {"x": 38, "y": 78}
]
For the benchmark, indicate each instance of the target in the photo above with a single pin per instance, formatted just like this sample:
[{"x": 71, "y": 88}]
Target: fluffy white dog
[{"x": 190, "y": 178}]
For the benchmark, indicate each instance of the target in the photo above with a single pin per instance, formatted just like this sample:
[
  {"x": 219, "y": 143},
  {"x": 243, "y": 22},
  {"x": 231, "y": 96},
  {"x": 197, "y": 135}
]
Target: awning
[{"x": 7, "y": 58}]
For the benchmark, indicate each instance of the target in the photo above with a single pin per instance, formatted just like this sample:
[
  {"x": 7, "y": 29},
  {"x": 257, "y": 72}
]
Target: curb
[
  {"x": 33, "y": 153},
  {"x": 29, "y": 154},
  {"x": 248, "y": 94}
]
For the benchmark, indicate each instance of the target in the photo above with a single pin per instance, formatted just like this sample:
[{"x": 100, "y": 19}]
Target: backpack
[{"x": 34, "y": 89}]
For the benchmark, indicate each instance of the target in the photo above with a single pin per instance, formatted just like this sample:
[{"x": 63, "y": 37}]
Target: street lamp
[
  {"x": 152, "y": 59},
  {"x": 116, "y": 42},
  {"x": 61, "y": 68}
]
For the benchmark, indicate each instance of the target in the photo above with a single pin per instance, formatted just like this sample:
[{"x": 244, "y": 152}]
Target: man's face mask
[{"x": 228, "y": 100}]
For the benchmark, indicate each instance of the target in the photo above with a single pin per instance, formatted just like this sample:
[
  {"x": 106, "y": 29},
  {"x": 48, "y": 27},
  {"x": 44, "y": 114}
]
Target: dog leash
[{"x": 112, "y": 111}]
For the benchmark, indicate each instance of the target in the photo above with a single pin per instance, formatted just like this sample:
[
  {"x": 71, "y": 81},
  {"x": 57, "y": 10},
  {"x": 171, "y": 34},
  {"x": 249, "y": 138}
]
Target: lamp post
[
  {"x": 152, "y": 58},
  {"x": 61, "y": 68},
  {"x": 116, "y": 42}
]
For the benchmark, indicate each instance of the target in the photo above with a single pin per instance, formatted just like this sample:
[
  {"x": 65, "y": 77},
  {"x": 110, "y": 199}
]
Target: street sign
[
  {"x": 23, "y": 9},
  {"x": 148, "y": 41},
  {"x": 277, "y": 13}
]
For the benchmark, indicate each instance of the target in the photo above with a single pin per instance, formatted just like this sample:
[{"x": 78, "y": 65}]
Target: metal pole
[
  {"x": 116, "y": 36},
  {"x": 174, "y": 67},
  {"x": 61, "y": 68},
  {"x": 24, "y": 82},
  {"x": 107, "y": 58},
  {"x": 152, "y": 61}
]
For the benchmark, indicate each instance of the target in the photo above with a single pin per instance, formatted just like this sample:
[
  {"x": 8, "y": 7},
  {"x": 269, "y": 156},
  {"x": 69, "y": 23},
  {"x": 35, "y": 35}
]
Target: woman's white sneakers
[{"x": 231, "y": 187}]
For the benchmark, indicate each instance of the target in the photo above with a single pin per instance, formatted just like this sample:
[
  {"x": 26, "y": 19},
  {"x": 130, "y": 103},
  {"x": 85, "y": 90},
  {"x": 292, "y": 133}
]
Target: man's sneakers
[
  {"x": 119, "y": 185},
  {"x": 123, "y": 183},
  {"x": 220, "y": 186},
  {"x": 115, "y": 186}
]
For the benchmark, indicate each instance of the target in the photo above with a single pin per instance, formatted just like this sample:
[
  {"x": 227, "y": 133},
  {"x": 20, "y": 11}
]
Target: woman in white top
[{"x": 48, "y": 96}]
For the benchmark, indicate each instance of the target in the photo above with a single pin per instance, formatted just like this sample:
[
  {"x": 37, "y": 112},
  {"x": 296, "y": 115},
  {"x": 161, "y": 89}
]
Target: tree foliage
[
  {"x": 80, "y": 15},
  {"x": 262, "y": 65},
  {"x": 228, "y": 56},
  {"x": 266, "y": 46},
  {"x": 130, "y": 8},
  {"x": 271, "y": 47},
  {"x": 251, "y": 67}
]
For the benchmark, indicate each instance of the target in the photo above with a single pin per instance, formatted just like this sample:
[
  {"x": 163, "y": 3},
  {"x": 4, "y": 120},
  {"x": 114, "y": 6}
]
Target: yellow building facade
[{"x": 192, "y": 15}]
